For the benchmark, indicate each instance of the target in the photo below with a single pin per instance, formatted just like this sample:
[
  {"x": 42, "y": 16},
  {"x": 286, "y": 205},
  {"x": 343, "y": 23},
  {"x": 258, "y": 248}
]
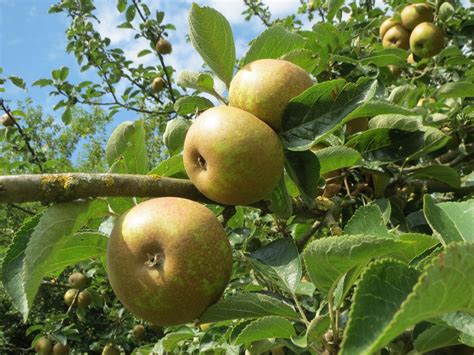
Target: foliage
[{"x": 366, "y": 244}]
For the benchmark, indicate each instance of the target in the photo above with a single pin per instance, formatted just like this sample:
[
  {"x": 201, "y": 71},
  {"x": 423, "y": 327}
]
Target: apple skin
[
  {"x": 157, "y": 84},
  {"x": 264, "y": 88},
  {"x": 426, "y": 40},
  {"x": 6, "y": 120},
  {"x": 232, "y": 157},
  {"x": 110, "y": 349},
  {"x": 69, "y": 296},
  {"x": 163, "y": 46},
  {"x": 168, "y": 260},
  {"x": 386, "y": 25},
  {"x": 414, "y": 14},
  {"x": 396, "y": 37},
  {"x": 60, "y": 349},
  {"x": 43, "y": 346},
  {"x": 84, "y": 299},
  {"x": 138, "y": 332},
  {"x": 395, "y": 70},
  {"x": 78, "y": 280}
]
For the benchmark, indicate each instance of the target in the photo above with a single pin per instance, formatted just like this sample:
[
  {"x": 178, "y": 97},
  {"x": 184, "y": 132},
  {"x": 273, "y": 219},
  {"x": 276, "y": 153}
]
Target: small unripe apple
[
  {"x": 232, "y": 157},
  {"x": 264, "y": 88},
  {"x": 6, "y": 120},
  {"x": 43, "y": 346},
  {"x": 426, "y": 40},
  {"x": 386, "y": 25},
  {"x": 163, "y": 46},
  {"x": 84, "y": 299},
  {"x": 138, "y": 332},
  {"x": 396, "y": 37},
  {"x": 395, "y": 70},
  {"x": 205, "y": 327},
  {"x": 157, "y": 84},
  {"x": 60, "y": 349},
  {"x": 110, "y": 349},
  {"x": 70, "y": 295},
  {"x": 78, "y": 280},
  {"x": 414, "y": 14}
]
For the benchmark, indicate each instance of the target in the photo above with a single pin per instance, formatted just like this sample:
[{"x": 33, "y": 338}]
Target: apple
[
  {"x": 386, "y": 25},
  {"x": 264, "y": 88},
  {"x": 425, "y": 101},
  {"x": 43, "y": 346},
  {"x": 168, "y": 260},
  {"x": 395, "y": 70},
  {"x": 157, "y": 84},
  {"x": 60, "y": 349},
  {"x": 426, "y": 40},
  {"x": 70, "y": 295},
  {"x": 163, "y": 46},
  {"x": 138, "y": 332},
  {"x": 232, "y": 157},
  {"x": 110, "y": 349},
  {"x": 396, "y": 37},
  {"x": 84, "y": 299},
  {"x": 414, "y": 14},
  {"x": 78, "y": 280},
  {"x": 6, "y": 120}
]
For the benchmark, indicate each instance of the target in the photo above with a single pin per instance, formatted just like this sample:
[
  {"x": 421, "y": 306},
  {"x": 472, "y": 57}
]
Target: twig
[{"x": 21, "y": 209}]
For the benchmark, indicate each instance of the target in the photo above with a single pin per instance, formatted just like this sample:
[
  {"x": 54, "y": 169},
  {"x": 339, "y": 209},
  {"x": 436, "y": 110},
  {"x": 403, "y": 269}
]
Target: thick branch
[{"x": 68, "y": 187}]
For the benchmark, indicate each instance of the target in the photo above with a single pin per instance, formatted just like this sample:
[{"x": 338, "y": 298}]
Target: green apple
[
  {"x": 426, "y": 40},
  {"x": 414, "y": 14},
  {"x": 232, "y": 157},
  {"x": 78, "y": 280},
  {"x": 386, "y": 25},
  {"x": 395, "y": 70},
  {"x": 396, "y": 37},
  {"x": 168, "y": 260},
  {"x": 163, "y": 46},
  {"x": 60, "y": 349},
  {"x": 43, "y": 346},
  {"x": 264, "y": 88},
  {"x": 157, "y": 84},
  {"x": 6, "y": 120}
]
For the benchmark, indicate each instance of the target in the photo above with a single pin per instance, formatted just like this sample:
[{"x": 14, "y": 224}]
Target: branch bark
[{"x": 49, "y": 188}]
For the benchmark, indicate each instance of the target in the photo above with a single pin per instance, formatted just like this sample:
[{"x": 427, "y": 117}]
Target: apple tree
[{"x": 314, "y": 196}]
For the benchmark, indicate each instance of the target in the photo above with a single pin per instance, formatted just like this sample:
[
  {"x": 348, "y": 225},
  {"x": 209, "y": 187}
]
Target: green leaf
[
  {"x": 171, "y": 340},
  {"x": 42, "y": 82},
  {"x": 50, "y": 238},
  {"x": 12, "y": 265},
  {"x": 143, "y": 53},
  {"x": 66, "y": 117},
  {"x": 441, "y": 173},
  {"x": 337, "y": 157},
  {"x": 317, "y": 327},
  {"x": 385, "y": 303},
  {"x": 433, "y": 139},
  {"x": 186, "y": 105},
  {"x": 367, "y": 220},
  {"x": 211, "y": 36},
  {"x": 452, "y": 221},
  {"x": 462, "y": 321},
  {"x": 17, "y": 81},
  {"x": 328, "y": 259},
  {"x": 303, "y": 168},
  {"x": 131, "y": 12},
  {"x": 386, "y": 56},
  {"x": 121, "y": 5},
  {"x": 457, "y": 89},
  {"x": 174, "y": 134},
  {"x": 198, "y": 81},
  {"x": 378, "y": 107},
  {"x": 247, "y": 305},
  {"x": 304, "y": 58},
  {"x": 385, "y": 144},
  {"x": 63, "y": 73},
  {"x": 127, "y": 146},
  {"x": 273, "y": 43},
  {"x": 279, "y": 261},
  {"x": 170, "y": 167},
  {"x": 333, "y": 7},
  {"x": 280, "y": 202},
  {"x": 396, "y": 121},
  {"x": 435, "y": 337},
  {"x": 264, "y": 328},
  {"x": 321, "y": 109}
]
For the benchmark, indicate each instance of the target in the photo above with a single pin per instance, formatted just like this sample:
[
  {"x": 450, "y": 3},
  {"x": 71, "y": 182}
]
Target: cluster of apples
[
  {"x": 163, "y": 47},
  {"x": 414, "y": 31},
  {"x": 169, "y": 258}
]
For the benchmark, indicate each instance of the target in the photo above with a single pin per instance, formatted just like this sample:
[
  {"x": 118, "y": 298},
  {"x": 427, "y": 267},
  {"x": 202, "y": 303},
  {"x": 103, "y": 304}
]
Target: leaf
[
  {"x": 171, "y": 340},
  {"x": 247, "y": 305},
  {"x": 378, "y": 107},
  {"x": 66, "y": 117},
  {"x": 333, "y": 7},
  {"x": 175, "y": 133},
  {"x": 186, "y": 105},
  {"x": 12, "y": 264},
  {"x": 211, "y": 36},
  {"x": 303, "y": 168},
  {"x": 143, "y": 53},
  {"x": 304, "y": 58},
  {"x": 63, "y": 73},
  {"x": 385, "y": 144},
  {"x": 273, "y": 43},
  {"x": 452, "y": 221},
  {"x": 337, "y": 157},
  {"x": 198, "y": 81},
  {"x": 367, "y": 220},
  {"x": 433, "y": 139},
  {"x": 264, "y": 328},
  {"x": 127, "y": 145},
  {"x": 386, "y": 56},
  {"x": 435, "y": 337},
  {"x": 328, "y": 259},
  {"x": 131, "y": 12},
  {"x": 169, "y": 167},
  {"x": 441, "y": 288},
  {"x": 17, "y": 81},
  {"x": 280, "y": 262},
  {"x": 441, "y": 173},
  {"x": 280, "y": 202},
  {"x": 49, "y": 238},
  {"x": 42, "y": 82},
  {"x": 396, "y": 121},
  {"x": 462, "y": 321},
  {"x": 457, "y": 89},
  {"x": 121, "y": 5},
  {"x": 321, "y": 109}
]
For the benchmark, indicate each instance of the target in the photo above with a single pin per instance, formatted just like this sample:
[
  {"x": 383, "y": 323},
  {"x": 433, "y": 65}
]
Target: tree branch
[{"x": 72, "y": 186}]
